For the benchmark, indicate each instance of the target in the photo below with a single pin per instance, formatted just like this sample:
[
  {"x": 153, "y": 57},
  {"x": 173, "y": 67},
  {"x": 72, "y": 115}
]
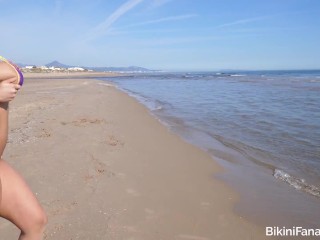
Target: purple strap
[{"x": 21, "y": 77}]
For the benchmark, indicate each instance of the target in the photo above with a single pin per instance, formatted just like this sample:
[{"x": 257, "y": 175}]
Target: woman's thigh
[{"x": 18, "y": 204}]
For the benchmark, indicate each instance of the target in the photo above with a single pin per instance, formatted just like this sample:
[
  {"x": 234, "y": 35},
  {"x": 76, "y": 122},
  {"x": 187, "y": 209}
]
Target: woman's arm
[
  {"x": 8, "y": 91},
  {"x": 3, "y": 126},
  {"x": 8, "y": 78}
]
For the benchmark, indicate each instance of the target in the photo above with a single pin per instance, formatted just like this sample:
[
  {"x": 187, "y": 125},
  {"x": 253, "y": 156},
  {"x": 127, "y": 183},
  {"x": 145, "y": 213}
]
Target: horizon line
[{"x": 182, "y": 70}]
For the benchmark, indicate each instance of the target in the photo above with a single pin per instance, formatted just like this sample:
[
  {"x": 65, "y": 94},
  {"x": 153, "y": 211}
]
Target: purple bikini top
[{"x": 16, "y": 68}]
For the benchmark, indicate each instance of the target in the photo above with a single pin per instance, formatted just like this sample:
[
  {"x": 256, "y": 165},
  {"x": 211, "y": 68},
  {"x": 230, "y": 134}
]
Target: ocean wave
[
  {"x": 158, "y": 108},
  {"x": 314, "y": 80},
  {"x": 237, "y": 75},
  {"x": 297, "y": 183},
  {"x": 152, "y": 104}
]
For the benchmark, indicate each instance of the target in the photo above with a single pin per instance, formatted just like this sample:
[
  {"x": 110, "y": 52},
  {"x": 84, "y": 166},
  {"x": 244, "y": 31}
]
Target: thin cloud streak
[
  {"x": 177, "y": 40},
  {"x": 242, "y": 21},
  {"x": 104, "y": 26},
  {"x": 116, "y": 32},
  {"x": 166, "y": 19}
]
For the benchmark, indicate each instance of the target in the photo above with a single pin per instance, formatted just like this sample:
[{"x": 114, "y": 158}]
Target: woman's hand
[{"x": 8, "y": 90}]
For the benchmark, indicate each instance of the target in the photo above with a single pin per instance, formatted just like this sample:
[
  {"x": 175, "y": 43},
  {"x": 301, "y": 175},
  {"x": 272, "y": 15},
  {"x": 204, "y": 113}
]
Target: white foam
[
  {"x": 297, "y": 183},
  {"x": 237, "y": 75}
]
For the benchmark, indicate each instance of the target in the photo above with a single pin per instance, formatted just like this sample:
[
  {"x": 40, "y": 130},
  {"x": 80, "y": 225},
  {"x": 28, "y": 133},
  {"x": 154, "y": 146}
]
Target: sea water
[{"x": 256, "y": 123}]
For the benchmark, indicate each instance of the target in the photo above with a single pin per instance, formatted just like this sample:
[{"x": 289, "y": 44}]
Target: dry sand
[
  {"x": 104, "y": 168},
  {"x": 44, "y": 75}
]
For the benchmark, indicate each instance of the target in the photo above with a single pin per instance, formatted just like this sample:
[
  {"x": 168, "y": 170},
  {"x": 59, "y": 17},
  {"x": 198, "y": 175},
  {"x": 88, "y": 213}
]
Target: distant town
[
  {"x": 45, "y": 69},
  {"x": 56, "y": 66}
]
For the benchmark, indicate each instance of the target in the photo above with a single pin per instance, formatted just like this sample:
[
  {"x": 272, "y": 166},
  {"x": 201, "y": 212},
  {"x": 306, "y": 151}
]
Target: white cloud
[{"x": 104, "y": 26}]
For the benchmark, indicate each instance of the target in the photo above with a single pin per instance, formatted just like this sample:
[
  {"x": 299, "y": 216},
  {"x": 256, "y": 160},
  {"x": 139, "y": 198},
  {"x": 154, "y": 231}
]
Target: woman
[{"x": 17, "y": 202}]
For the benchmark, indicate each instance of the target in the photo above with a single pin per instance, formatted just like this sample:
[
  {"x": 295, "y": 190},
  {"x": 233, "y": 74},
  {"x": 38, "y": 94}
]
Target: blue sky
[{"x": 163, "y": 34}]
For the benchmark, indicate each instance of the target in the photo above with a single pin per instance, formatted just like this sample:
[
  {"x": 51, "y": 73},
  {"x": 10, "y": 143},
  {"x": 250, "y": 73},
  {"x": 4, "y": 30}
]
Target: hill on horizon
[{"x": 56, "y": 63}]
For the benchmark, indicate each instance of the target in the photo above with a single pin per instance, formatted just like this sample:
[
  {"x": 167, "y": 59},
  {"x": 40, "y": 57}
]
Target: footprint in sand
[
  {"x": 44, "y": 133},
  {"x": 82, "y": 122},
  {"x": 50, "y": 233},
  {"x": 113, "y": 141},
  {"x": 88, "y": 177},
  {"x": 98, "y": 165},
  {"x": 57, "y": 207},
  {"x": 99, "y": 169}
]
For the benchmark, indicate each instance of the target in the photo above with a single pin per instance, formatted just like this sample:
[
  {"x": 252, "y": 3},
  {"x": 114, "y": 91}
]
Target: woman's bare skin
[{"x": 17, "y": 202}]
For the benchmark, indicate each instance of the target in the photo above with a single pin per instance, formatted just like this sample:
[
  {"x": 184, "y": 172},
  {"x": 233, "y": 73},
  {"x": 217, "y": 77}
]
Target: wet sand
[{"x": 104, "y": 168}]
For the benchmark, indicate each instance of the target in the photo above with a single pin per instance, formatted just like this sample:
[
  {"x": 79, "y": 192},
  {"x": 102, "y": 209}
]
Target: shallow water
[{"x": 267, "y": 122}]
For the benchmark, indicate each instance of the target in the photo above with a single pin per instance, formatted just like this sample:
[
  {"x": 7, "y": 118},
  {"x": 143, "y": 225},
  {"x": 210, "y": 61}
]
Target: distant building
[
  {"x": 55, "y": 68},
  {"x": 76, "y": 69},
  {"x": 30, "y": 67},
  {"x": 33, "y": 68}
]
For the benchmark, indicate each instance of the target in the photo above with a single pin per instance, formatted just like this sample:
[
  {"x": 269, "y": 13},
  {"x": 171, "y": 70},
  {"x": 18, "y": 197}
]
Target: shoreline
[
  {"x": 264, "y": 199},
  {"x": 132, "y": 177}
]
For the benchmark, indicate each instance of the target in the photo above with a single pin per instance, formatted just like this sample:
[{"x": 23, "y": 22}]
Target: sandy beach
[
  {"x": 69, "y": 74},
  {"x": 104, "y": 168}
]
